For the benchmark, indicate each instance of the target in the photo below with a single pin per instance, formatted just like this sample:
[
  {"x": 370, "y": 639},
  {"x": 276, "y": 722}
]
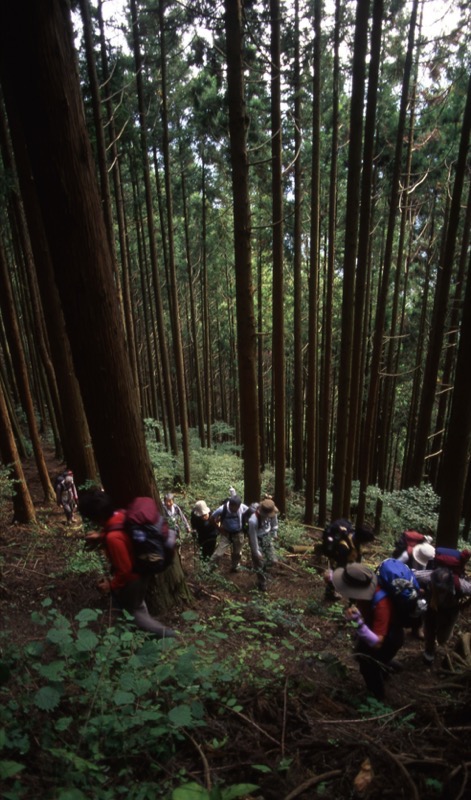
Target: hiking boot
[{"x": 428, "y": 658}]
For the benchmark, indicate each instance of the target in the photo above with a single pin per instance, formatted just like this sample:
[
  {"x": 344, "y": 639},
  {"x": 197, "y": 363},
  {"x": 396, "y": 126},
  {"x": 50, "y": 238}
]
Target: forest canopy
[{"x": 276, "y": 208}]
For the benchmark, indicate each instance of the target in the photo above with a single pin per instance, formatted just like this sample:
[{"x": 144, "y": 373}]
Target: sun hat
[
  {"x": 355, "y": 581},
  {"x": 423, "y": 553},
  {"x": 200, "y": 508},
  {"x": 267, "y": 508}
]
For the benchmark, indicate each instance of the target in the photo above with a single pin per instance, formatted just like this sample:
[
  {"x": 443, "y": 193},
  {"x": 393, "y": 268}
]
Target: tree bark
[{"x": 246, "y": 333}]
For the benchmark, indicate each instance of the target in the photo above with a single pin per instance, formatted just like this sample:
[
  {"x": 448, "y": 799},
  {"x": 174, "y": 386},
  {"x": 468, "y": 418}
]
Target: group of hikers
[{"x": 420, "y": 587}]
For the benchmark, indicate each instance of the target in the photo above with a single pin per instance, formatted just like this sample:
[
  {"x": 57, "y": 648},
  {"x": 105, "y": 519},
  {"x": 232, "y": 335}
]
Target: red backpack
[
  {"x": 455, "y": 560},
  {"x": 153, "y": 541},
  {"x": 408, "y": 541}
]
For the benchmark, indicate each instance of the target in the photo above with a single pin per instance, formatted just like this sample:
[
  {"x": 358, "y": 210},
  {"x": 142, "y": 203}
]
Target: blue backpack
[{"x": 397, "y": 581}]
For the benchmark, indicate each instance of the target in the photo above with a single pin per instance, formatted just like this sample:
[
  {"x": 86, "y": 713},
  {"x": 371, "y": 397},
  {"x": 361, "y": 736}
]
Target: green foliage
[
  {"x": 415, "y": 508},
  {"x": 78, "y": 700},
  {"x": 193, "y": 791}
]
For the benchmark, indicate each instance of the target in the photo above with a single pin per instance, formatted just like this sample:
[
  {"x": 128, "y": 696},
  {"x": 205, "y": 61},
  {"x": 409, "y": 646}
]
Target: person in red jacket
[
  {"x": 379, "y": 632},
  {"x": 126, "y": 586}
]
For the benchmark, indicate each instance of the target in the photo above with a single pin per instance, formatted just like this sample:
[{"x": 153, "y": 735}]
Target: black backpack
[
  {"x": 337, "y": 532},
  {"x": 154, "y": 543}
]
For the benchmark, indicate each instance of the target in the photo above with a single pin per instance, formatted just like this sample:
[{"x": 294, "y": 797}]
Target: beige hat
[
  {"x": 423, "y": 553},
  {"x": 200, "y": 508},
  {"x": 267, "y": 508},
  {"x": 355, "y": 581}
]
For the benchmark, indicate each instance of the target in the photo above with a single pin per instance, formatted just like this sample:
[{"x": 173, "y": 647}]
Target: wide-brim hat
[
  {"x": 267, "y": 508},
  {"x": 423, "y": 553},
  {"x": 355, "y": 581},
  {"x": 200, "y": 508}
]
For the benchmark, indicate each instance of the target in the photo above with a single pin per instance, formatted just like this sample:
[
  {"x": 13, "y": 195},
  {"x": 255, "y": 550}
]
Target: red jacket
[
  {"x": 119, "y": 550},
  {"x": 378, "y": 616}
]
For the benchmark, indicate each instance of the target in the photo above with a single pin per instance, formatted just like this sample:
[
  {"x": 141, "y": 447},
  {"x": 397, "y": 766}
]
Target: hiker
[
  {"x": 378, "y": 629},
  {"x": 175, "y": 516},
  {"x": 342, "y": 543},
  {"x": 444, "y": 592},
  {"x": 262, "y": 531},
  {"x": 417, "y": 556},
  {"x": 414, "y": 549},
  {"x": 205, "y": 529},
  {"x": 228, "y": 517},
  {"x": 66, "y": 494},
  {"x": 126, "y": 586}
]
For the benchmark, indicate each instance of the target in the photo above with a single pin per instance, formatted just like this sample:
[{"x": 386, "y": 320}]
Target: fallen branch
[
  {"x": 207, "y": 772},
  {"x": 28, "y": 569},
  {"x": 363, "y": 719},
  {"x": 199, "y": 588},
  {"x": 312, "y": 782},
  {"x": 398, "y": 762},
  {"x": 251, "y": 722}
]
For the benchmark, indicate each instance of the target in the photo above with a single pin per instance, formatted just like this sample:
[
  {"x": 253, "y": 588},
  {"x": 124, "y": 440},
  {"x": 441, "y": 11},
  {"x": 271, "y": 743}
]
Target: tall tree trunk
[
  {"x": 312, "y": 383},
  {"x": 118, "y": 199},
  {"x": 164, "y": 358},
  {"x": 360, "y": 336},
  {"x": 373, "y": 391},
  {"x": 246, "y": 332},
  {"x": 7, "y": 305},
  {"x": 457, "y": 449},
  {"x": 298, "y": 380},
  {"x": 450, "y": 353},
  {"x": 340, "y": 505},
  {"x": 192, "y": 304},
  {"x": 23, "y": 508},
  {"x": 278, "y": 347},
  {"x": 175, "y": 305},
  {"x": 99, "y": 131},
  {"x": 441, "y": 303},
  {"x": 45, "y": 93},
  {"x": 76, "y": 442},
  {"x": 326, "y": 404}
]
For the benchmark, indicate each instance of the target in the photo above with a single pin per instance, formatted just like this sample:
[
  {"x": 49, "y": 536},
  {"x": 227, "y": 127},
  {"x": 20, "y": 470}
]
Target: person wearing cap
[
  {"x": 205, "y": 528},
  {"x": 419, "y": 556},
  {"x": 262, "y": 531},
  {"x": 229, "y": 517},
  {"x": 417, "y": 559},
  {"x": 175, "y": 516},
  {"x": 444, "y": 592},
  {"x": 379, "y": 633}
]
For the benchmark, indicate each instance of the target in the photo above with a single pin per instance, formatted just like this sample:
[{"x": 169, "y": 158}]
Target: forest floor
[{"x": 316, "y": 717}]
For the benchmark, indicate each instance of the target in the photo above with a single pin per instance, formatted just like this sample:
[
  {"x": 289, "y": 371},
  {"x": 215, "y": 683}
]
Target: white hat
[
  {"x": 200, "y": 508},
  {"x": 423, "y": 553}
]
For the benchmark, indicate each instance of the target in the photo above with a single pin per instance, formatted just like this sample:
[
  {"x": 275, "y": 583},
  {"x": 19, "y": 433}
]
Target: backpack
[
  {"x": 60, "y": 478},
  {"x": 397, "y": 581},
  {"x": 339, "y": 531},
  {"x": 455, "y": 560},
  {"x": 247, "y": 514},
  {"x": 407, "y": 541},
  {"x": 154, "y": 542},
  {"x": 244, "y": 518}
]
